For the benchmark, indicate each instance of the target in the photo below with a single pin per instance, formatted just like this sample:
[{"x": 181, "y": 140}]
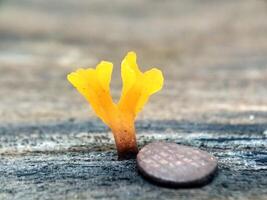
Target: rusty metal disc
[{"x": 174, "y": 165}]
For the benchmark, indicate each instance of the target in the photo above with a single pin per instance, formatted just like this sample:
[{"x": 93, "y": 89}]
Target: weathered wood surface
[{"x": 213, "y": 54}]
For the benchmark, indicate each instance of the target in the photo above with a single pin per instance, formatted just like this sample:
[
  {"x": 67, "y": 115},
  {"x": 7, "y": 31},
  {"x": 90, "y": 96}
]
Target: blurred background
[{"x": 212, "y": 53}]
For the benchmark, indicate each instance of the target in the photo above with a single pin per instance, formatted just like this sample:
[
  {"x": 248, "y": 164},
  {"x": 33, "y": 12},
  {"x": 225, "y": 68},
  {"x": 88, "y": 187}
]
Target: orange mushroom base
[
  {"x": 125, "y": 138},
  {"x": 125, "y": 143}
]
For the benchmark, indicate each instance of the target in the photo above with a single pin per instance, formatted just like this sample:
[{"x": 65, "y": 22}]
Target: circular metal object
[{"x": 174, "y": 165}]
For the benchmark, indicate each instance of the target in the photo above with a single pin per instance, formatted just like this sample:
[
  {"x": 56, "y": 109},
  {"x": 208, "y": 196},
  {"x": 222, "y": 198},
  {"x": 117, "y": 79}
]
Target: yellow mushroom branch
[{"x": 93, "y": 84}]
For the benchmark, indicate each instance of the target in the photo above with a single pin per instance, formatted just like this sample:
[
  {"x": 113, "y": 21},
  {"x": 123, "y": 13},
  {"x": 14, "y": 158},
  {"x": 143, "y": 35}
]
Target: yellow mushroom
[{"x": 93, "y": 84}]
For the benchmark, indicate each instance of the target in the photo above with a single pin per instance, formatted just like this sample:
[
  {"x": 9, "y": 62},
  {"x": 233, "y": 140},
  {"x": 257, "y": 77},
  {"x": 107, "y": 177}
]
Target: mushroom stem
[{"x": 125, "y": 139}]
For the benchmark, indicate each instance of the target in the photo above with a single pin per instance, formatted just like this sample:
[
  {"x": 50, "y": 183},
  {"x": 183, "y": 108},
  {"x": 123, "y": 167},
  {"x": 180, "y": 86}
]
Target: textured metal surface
[{"x": 176, "y": 165}]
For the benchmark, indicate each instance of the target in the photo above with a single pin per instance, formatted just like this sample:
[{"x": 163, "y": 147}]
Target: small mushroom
[{"x": 93, "y": 84}]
